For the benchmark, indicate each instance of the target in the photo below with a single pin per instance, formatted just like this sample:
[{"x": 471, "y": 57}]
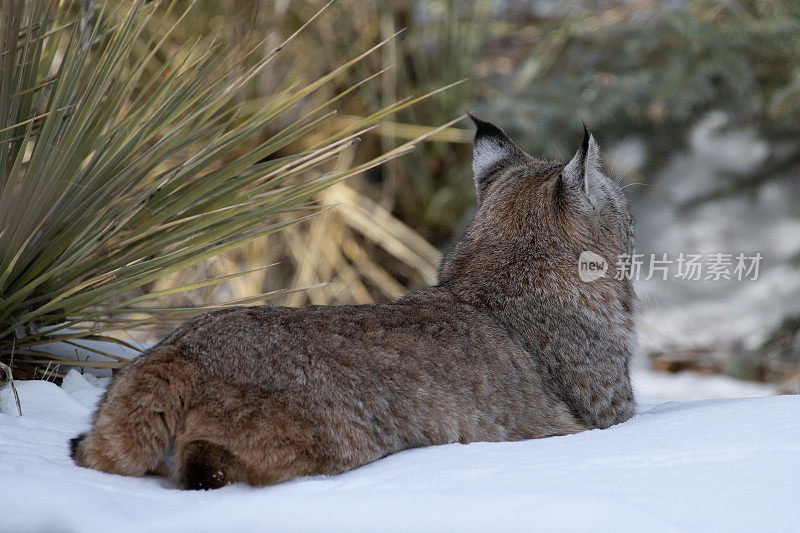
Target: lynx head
[{"x": 534, "y": 218}]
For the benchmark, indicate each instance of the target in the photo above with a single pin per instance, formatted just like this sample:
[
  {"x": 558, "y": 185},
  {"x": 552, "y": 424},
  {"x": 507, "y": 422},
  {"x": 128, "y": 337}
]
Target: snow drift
[{"x": 712, "y": 465}]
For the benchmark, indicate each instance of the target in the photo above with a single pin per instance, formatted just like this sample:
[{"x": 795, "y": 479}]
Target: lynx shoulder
[{"x": 511, "y": 344}]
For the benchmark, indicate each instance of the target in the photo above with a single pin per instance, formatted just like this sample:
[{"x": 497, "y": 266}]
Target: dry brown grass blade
[
  {"x": 377, "y": 224},
  {"x": 372, "y": 270}
]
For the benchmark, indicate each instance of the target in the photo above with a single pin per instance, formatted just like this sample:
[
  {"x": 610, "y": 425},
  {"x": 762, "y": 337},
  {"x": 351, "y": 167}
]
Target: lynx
[{"x": 509, "y": 345}]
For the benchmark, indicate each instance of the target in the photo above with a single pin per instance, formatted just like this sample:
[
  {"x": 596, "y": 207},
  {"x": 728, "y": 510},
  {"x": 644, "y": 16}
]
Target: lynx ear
[
  {"x": 491, "y": 152},
  {"x": 577, "y": 174}
]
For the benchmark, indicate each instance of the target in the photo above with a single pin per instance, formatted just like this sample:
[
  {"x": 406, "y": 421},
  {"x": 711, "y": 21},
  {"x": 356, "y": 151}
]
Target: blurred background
[{"x": 696, "y": 106}]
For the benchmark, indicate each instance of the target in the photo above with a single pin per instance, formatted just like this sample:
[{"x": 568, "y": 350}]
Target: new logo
[{"x": 591, "y": 266}]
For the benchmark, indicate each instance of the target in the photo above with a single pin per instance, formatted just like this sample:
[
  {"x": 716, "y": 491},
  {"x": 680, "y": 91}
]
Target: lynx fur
[{"x": 509, "y": 345}]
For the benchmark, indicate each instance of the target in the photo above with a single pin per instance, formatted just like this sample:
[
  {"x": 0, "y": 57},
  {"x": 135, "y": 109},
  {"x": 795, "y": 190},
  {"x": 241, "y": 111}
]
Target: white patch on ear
[
  {"x": 582, "y": 173},
  {"x": 592, "y": 183},
  {"x": 492, "y": 150},
  {"x": 582, "y": 167},
  {"x": 593, "y": 156},
  {"x": 573, "y": 172},
  {"x": 485, "y": 154}
]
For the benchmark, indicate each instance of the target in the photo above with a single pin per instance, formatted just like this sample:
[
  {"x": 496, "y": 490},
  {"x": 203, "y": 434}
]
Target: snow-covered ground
[{"x": 712, "y": 465}]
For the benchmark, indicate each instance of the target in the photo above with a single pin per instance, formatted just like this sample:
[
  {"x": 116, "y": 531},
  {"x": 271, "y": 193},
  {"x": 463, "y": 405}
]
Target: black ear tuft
[
  {"x": 487, "y": 130},
  {"x": 586, "y": 137},
  {"x": 492, "y": 151}
]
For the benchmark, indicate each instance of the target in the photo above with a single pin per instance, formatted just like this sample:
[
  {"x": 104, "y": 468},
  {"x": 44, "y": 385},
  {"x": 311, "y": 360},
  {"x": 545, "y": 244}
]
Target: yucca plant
[
  {"x": 114, "y": 174},
  {"x": 372, "y": 247}
]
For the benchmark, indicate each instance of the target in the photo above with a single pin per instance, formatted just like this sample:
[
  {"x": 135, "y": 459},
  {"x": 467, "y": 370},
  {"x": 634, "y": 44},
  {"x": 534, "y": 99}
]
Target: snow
[{"x": 711, "y": 465}]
